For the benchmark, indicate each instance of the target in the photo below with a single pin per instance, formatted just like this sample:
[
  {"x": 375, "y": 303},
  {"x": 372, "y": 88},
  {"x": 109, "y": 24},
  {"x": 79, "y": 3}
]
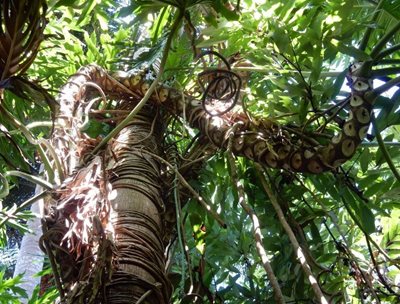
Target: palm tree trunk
[
  {"x": 137, "y": 209},
  {"x": 105, "y": 228}
]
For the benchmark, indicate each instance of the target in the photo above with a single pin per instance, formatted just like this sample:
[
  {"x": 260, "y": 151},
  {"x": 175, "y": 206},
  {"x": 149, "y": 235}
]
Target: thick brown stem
[{"x": 136, "y": 217}]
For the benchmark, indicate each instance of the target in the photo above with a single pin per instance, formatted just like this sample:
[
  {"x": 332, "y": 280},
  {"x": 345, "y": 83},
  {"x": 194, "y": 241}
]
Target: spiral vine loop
[{"x": 220, "y": 87}]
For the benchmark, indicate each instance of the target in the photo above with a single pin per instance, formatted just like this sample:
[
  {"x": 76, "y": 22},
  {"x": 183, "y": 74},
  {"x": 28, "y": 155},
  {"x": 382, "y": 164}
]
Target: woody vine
[{"x": 115, "y": 203}]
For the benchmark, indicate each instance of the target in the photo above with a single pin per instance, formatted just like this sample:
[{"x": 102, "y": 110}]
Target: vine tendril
[{"x": 219, "y": 85}]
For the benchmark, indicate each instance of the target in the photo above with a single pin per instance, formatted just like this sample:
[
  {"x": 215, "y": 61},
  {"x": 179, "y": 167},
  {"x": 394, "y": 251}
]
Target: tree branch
[
  {"x": 296, "y": 246},
  {"x": 382, "y": 146},
  {"x": 375, "y": 53},
  {"x": 256, "y": 224},
  {"x": 369, "y": 30},
  {"x": 150, "y": 91}
]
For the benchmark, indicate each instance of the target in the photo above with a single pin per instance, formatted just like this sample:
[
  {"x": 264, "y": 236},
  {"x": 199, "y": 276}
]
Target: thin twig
[
  {"x": 387, "y": 86},
  {"x": 144, "y": 296},
  {"x": 35, "y": 124},
  {"x": 39, "y": 143},
  {"x": 300, "y": 134},
  {"x": 382, "y": 42},
  {"x": 296, "y": 246},
  {"x": 385, "y": 71},
  {"x": 21, "y": 207},
  {"x": 358, "y": 223},
  {"x": 31, "y": 178},
  {"x": 376, "y": 144},
  {"x": 150, "y": 91},
  {"x": 334, "y": 220},
  {"x": 334, "y": 114},
  {"x": 256, "y": 224},
  {"x": 377, "y": 270},
  {"x": 52, "y": 261},
  {"x": 179, "y": 223},
  {"x": 200, "y": 199},
  {"x": 388, "y": 51},
  {"x": 327, "y": 111},
  {"x": 369, "y": 30},
  {"x": 382, "y": 146}
]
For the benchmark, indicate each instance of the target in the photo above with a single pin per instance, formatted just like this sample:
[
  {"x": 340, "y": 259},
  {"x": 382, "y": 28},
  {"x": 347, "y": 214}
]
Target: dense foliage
[{"x": 293, "y": 57}]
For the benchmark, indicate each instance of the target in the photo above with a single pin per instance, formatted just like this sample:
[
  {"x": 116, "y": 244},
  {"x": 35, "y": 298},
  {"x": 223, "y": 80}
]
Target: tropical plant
[{"x": 206, "y": 151}]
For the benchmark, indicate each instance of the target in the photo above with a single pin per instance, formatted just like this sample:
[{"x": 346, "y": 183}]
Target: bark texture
[
  {"x": 137, "y": 208},
  {"x": 106, "y": 228}
]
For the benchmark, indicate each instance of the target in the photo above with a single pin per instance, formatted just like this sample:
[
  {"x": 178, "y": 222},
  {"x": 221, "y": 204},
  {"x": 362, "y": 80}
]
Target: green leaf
[
  {"x": 361, "y": 211},
  {"x": 281, "y": 39},
  {"x": 244, "y": 291},
  {"x": 367, "y": 219},
  {"x": 388, "y": 111},
  {"x": 353, "y": 52},
  {"x": 126, "y": 11},
  {"x": 65, "y": 3},
  {"x": 393, "y": 152},
  {"x": 365, "y": 159},
  {"x": 316, "y": 238},
  {"x": 393, "y": 193},
  {"x": 303, "y": 110},
  {"x": 392, "y": 8},
  {"x": 95, "y": 128},
  {"x": 338, "y": 84},
  {"x": 121, "y": 34},
  {"x": 220, "y": 8},
  {"x": 85, "y": 16},
  {"x": 91, "y": 42},
  {"x": 391, "y": 238}
]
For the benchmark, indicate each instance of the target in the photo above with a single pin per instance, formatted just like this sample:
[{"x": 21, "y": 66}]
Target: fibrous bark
[
  {"x": 137, "y": 208},
  {"x": 106, "y": 225}
]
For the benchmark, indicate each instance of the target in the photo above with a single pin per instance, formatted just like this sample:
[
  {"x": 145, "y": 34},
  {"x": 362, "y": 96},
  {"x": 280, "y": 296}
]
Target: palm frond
[
  {"x": 21, "y": 30},
  {"x": 29, "y": 90}
]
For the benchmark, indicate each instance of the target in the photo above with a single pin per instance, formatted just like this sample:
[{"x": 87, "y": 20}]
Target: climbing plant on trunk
[
  {"x": 111, "y": 209},
  {"x": 128, "y": 153}
]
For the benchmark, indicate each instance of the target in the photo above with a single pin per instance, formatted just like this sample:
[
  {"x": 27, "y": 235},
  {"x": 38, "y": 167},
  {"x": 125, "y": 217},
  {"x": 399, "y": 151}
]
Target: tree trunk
[
  {"x": 105, "y": 227},
  {"x": 137, "y": 208}
]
